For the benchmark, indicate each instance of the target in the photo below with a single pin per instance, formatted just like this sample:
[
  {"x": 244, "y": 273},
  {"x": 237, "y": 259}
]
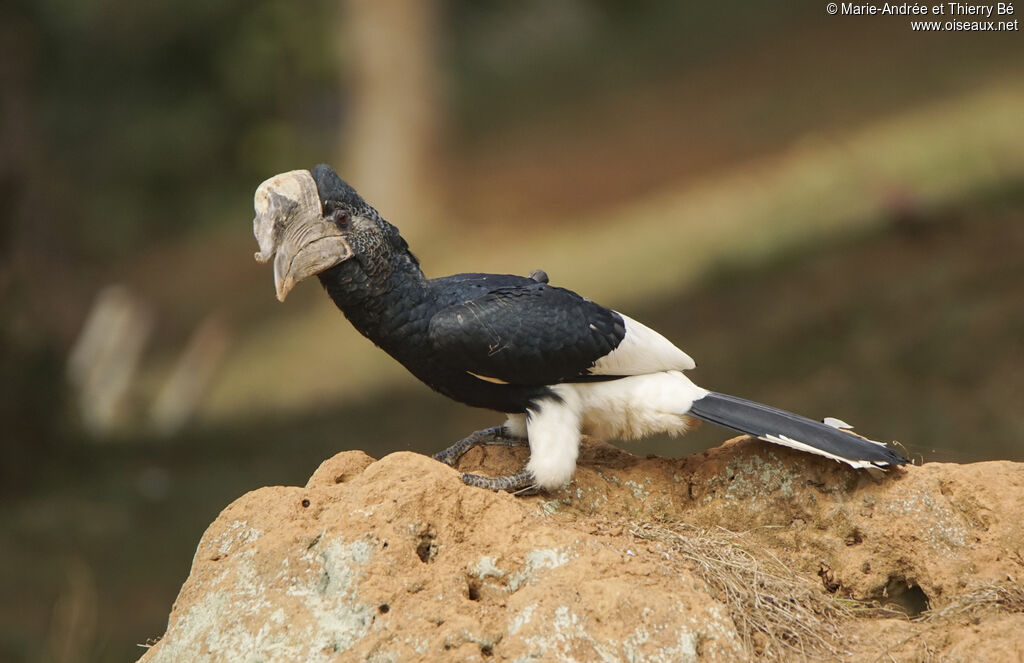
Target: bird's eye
[{"x": 340, "y": 217}]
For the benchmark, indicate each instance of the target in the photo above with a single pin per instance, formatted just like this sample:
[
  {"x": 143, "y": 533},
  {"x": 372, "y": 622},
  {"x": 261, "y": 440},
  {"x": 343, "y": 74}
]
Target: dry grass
[
  {"x": 779, "y": 614},
  {"x": 1005, "y": 596}
]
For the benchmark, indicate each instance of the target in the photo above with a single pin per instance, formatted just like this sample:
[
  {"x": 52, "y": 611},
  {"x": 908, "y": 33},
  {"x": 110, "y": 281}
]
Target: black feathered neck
[{"x": 378, "y": 286}]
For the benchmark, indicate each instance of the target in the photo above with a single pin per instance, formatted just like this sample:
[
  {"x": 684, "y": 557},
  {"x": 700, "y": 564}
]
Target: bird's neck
[{"x": 383, "y": 297}]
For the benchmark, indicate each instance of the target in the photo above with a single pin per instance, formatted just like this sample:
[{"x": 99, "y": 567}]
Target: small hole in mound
[
  {"x": 854, "y": 538},
  {"x": 340, "y": 478},
  {"x": 474, "y": 589},
  {"x": 425, "y": 549},
  {"x": 904, "y": 595},
  {"x": 487, "y": 650},
  {"x": 305, "y": 503},
  {"x": 383, "y": 608}
]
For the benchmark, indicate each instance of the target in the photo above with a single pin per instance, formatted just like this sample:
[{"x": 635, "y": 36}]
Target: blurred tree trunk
[
  {"x": 388, "y": 52},
  {"x": 18, "y": 144}
]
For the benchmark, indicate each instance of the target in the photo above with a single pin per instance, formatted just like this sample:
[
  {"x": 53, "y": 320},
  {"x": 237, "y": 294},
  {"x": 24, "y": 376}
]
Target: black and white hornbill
[{"x": 554, "y": 362}]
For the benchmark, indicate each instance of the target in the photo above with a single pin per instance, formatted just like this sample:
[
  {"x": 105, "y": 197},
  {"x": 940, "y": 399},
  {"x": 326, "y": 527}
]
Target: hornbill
[{"x": 554, "y": 362}]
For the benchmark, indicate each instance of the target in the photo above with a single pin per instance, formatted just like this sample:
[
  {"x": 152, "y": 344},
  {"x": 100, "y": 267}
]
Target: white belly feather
[{"x": 627, "y": 408}]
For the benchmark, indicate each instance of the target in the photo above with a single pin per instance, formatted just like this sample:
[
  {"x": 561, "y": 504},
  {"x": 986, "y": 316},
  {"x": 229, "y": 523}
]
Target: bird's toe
[{"x": 520, "y": 484}]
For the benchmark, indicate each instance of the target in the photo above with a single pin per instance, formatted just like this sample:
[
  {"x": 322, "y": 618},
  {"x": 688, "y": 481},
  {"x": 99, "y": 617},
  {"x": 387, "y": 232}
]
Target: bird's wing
[
  {"x": 529, "y": 334},
  {"x": 538, "y": 334}
]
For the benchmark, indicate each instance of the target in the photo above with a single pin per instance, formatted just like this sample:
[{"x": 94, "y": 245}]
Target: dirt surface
[{"x": 744, "y": 551}]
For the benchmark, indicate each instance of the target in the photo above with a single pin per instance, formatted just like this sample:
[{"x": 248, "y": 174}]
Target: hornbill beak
[{"x": 289, "y": 222}]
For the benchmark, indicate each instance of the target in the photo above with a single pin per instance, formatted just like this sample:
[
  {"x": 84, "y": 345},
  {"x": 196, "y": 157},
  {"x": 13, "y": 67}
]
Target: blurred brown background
[{"x": 827, "y": 212}]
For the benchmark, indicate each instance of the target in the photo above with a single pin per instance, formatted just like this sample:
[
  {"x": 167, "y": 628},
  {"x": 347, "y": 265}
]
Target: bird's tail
[{"x": 780, "y": 427}]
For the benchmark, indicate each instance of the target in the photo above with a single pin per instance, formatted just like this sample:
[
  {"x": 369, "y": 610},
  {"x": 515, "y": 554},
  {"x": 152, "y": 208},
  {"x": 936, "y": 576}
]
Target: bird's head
[{"x": 313, "y": 221}]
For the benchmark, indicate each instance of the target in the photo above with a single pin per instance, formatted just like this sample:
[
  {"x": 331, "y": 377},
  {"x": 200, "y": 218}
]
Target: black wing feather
[{"x": 532, "y": 334}]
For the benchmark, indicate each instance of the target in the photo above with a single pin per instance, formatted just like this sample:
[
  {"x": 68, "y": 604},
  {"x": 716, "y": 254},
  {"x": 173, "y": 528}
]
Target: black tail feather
[{"x": 788, "y": 429}]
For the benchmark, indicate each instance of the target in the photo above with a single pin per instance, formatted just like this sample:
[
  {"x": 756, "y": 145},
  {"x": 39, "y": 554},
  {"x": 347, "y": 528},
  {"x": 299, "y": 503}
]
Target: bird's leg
[
  {"x": 495, "y": 435},
  {"x": 520, "y": 484}
]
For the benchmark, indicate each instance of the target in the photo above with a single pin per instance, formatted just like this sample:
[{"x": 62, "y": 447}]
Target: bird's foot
[
  {"x": 495, "y": 435},
  {"x": 520, "y": 484}
]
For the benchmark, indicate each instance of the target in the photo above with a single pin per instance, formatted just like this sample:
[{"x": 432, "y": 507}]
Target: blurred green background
[{"x": 827, "y": 212}]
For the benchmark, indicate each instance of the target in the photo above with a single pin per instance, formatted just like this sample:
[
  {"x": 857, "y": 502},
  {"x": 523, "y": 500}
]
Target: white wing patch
[{"x": 642, "y": 351}]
